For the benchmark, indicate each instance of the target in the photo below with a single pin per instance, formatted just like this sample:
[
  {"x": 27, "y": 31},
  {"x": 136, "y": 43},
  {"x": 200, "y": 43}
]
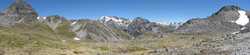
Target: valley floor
[
  {"x": 170, "y": 44},
  {"x": 38, "y": 39}
]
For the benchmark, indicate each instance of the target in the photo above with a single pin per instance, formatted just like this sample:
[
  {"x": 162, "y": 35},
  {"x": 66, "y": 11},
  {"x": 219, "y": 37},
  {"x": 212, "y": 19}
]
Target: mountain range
[{"x": 22, "y": 27}]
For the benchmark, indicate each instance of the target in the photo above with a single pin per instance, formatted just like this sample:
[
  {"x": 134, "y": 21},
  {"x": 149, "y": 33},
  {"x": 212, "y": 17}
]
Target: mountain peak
[
  {"x": 230, "y": 8},
  {"x": 22, "y": 10},
  {"x": 226, "y": 13},
  {"x": 140, "y": 19},
  {"x": 105, "y": 19},
  {"x": 19, "y": 8},
  {"x": 228, "y": 19},
  {"x": 19, "y": 1}
]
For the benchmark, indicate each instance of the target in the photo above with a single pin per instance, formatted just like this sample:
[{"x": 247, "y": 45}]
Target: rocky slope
[
  {"x": 93, "y": 30},
  {"x": 223, "y": 21}
]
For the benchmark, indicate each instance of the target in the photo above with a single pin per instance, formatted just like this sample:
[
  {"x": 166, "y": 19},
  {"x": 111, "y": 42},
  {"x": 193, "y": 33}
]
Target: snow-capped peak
[
  {"x": 73, "y": 23},
  {"x": 41, "y": 18},
  {"x": 44, "y": 17},
  {"x": 111, "y": 18},
  {"x": 121, "y": 21}
]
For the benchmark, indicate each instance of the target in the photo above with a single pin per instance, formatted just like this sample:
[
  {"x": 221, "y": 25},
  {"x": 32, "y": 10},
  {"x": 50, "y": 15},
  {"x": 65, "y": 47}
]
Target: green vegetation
[{"x": 39, "y": 39}]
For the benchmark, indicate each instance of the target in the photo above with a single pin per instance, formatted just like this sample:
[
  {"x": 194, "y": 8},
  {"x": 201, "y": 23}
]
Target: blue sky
[{"x": 154, "y": 10}]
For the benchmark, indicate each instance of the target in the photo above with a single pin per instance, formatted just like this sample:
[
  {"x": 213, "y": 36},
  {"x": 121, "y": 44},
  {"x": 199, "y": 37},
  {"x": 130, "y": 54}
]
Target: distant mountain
[
  {"x": 226, "y": 20},
  {"x": 107, "y": 28},
  {"x": 94, "y": 30},
  {"x": 138, "y": 26},
  {"x": 18, "y": 12},
  {"x": 22, "y": 10},
  {"x": 115, "y": 22},
  {"x": 52, "y": 21},
  {"x": 1, "y": 14},
  {"x": 24, "y": 32},
  {"x": 118, "y": 20}
]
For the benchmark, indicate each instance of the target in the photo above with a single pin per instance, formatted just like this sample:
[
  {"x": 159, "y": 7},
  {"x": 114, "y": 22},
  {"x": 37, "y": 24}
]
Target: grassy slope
[
  {"x": 33, "y": 37},
  {"x": 38, "y": 39}
]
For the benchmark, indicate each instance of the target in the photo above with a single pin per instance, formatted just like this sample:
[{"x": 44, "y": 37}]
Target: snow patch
[
  {"x": 117, "y": 20},
  {"x": 243, "y": 28},
  {"x": 111, "y": 18},
  {"x": 243, "y": 19},
  {"x": 44, "y": 18},
  {"x": 38, "y": 18},
  {"x": 76, "y": 38},
  {"x": 74, "y": 23},
  {"x": 41, "y": 18}
]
